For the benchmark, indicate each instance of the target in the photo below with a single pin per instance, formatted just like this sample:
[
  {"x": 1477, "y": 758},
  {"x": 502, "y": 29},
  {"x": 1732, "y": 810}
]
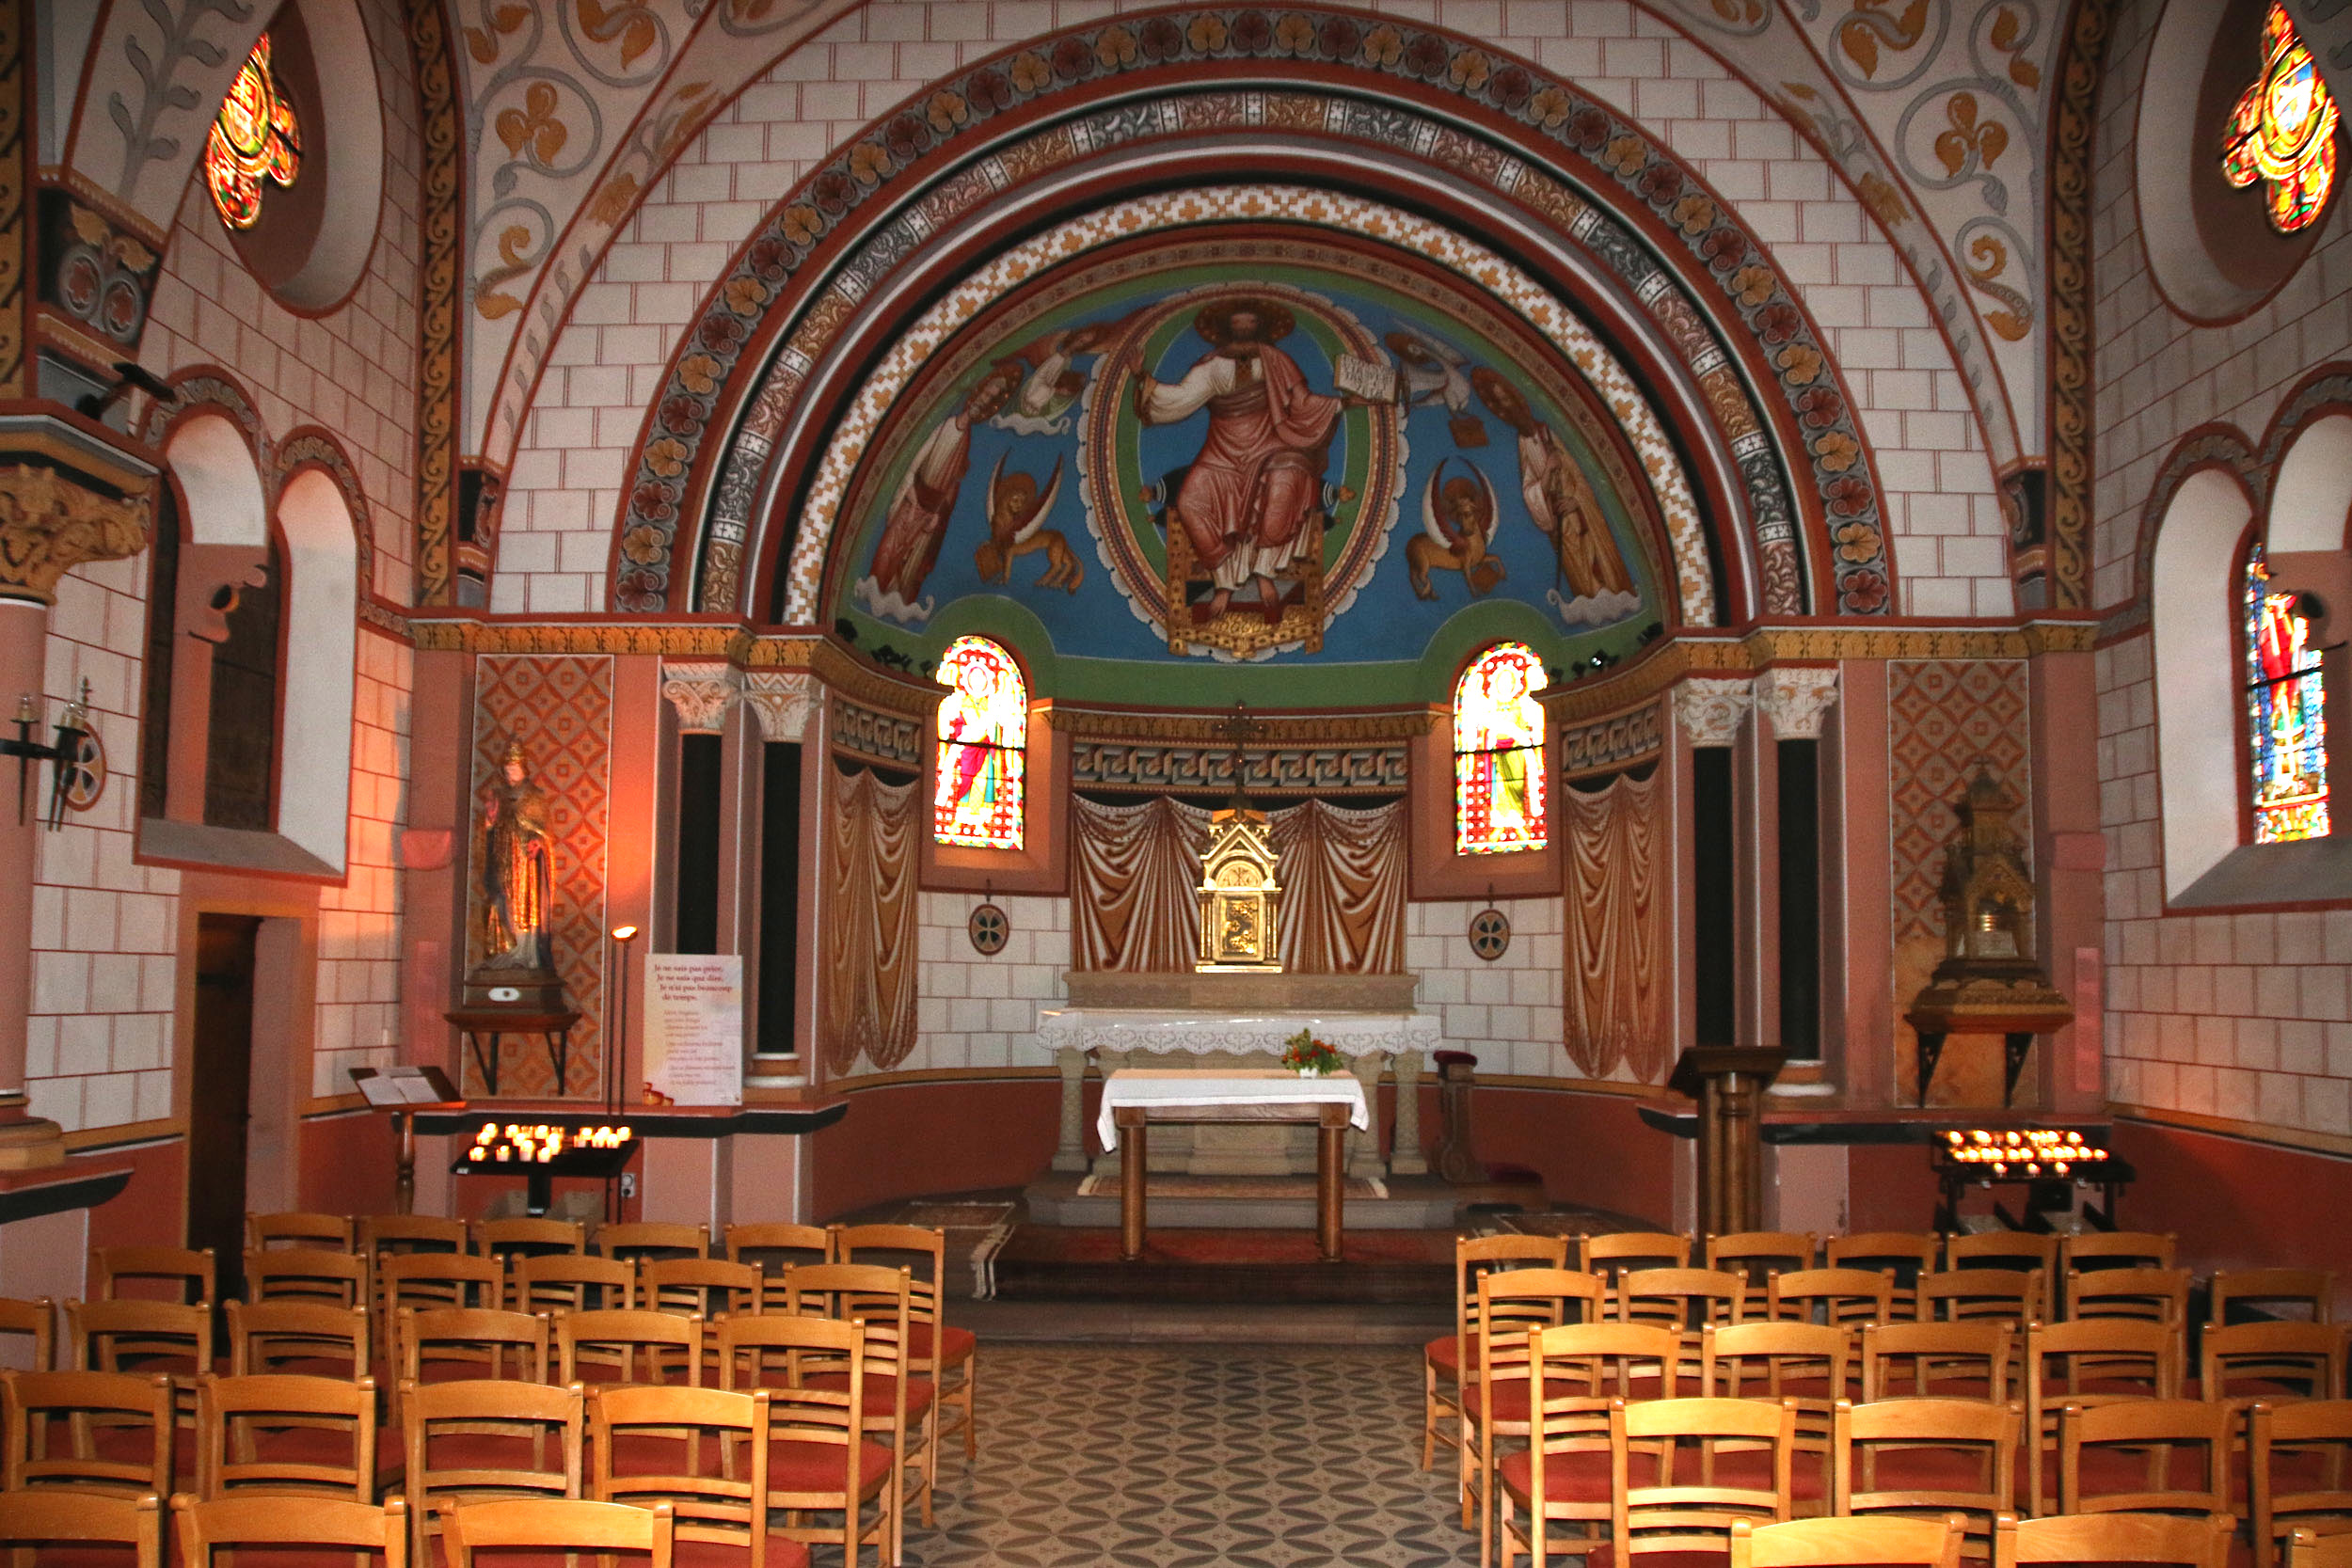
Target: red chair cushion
[
  {"x": 1922, "y": 1469},
  {"x": 817, "y": 1466},
  {"x": 1605, "y": 1556},
  {"x": 881, "y": 1391},
  {"x": 1808, "y": 1472},
  {"x": 783, "y": 1552},
  {"x": 1578, "y": 1476},
  {"x": 955, "y": 1348},
  {"x": 1510, "y": 1397}
]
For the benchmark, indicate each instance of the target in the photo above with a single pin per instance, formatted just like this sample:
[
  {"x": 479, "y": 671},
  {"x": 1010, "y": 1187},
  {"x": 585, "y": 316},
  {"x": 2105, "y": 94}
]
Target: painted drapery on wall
[
  {"x": 1134, "y": 869},
  {"x": 1616, "y": 910},
  {"x": 869, "y": 933}
]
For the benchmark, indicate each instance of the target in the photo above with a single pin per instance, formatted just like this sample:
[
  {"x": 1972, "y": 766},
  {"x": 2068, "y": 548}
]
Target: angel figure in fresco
[
  {"x": 917, "y": 520},
  {"x": 1560, "y": 502},
  {"x": 1016, "y": 513},
  {"x": 517, "y": 860},
  {"x": 1457, "y": 522},
  {"x": 1434, "y": 374},
  {"x": 1051, "y": 380},
  {"x": 1246, "y": 498}
]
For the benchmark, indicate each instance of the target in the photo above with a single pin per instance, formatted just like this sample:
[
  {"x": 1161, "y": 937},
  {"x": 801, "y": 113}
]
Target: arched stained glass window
[
  {"x": 2285, "y": 705},
  {"x": 1499, "y": 752},
  {"x": 253, "y": 138},
  {"x": 2282, "y": 130},
  {"x": 983, "y": 735}
]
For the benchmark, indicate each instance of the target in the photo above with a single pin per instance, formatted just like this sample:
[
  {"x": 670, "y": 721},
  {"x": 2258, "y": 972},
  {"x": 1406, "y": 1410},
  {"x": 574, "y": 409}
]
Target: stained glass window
[
  {"x": 2284, "y": 712},
  {"x": 983, "y": 732},
  {"x": 2282, "y": 130},
  {"x": 253, "y": 138},
  {"x": 1499, "y": 752}
]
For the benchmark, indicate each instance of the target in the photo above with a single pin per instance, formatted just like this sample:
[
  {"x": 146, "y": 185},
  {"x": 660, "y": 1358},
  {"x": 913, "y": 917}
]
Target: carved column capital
[
  {"x": 1710, "y": 708},
  {"x": 702, "y": 694},
  {"x": 784, "y": 698},
  {"x": 49, "y": 525},
  {"x": 1796, "y": 701}
]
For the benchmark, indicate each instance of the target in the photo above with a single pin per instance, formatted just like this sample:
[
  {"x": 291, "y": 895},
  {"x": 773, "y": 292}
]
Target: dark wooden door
[{"x": 220, "y": 1095}]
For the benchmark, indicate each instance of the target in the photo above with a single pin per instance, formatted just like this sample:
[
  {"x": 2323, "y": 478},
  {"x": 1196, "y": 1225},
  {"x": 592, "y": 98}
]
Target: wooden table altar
[{"x": 1133, "y": 1098}]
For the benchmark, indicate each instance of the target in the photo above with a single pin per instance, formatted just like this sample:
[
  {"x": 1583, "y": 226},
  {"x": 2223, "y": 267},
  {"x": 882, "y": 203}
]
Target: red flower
[
  {"x": 1849, "y": 495},
  {"x": 656, "y": 503},
  {"x": 1589, "y": 129},
  {"x": 1161, "y": 38},
  {"x": 830, "y": 192},
  {"x": 1338, "y": 37},
  {"x": 1252, "y": 33},
  {"x": 989, "y": 91},
  {"x": 1863, "y": 593},
  {"x": 1424, "y": 55},
  {"x": 1073, "y": 59},
  {"x": 1821, "y": 407},
  {"x": 1511, "y": 86},
  {"x": 1724, "y": 248},
  {"x": 720, "y": 333},
  {"x": 909, "y": 134},
  {"x": 681, "y": 415},
  {"x": 1661, "y": 183},
  {"x": 1777, "y": 324}
]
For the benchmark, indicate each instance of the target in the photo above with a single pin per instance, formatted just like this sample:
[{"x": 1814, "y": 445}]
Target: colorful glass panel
[
  {"x": 253, "y": 138},
  {"x": 983, "y": 733},
  {"x": 2285, "y": 709},
  {"x": 2282, "y": 130},
  {"x": 1498, "y": 753}
]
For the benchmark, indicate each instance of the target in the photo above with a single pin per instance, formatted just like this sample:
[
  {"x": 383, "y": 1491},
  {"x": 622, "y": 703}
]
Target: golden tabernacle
[{"x": 1240, "y": 900}]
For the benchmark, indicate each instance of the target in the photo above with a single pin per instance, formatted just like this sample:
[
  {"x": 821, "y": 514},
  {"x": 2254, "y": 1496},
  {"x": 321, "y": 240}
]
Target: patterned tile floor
[{"x": 1188, "y": 1456}]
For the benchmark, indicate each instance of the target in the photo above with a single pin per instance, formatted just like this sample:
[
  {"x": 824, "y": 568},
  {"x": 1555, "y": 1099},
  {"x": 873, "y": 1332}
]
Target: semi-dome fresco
[{"x": 1243, "y": 446}]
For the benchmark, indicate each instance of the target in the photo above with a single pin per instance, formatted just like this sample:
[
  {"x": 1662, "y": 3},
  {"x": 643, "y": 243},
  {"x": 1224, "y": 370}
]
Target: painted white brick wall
[
  {"x": 1506, "y": 1012},
  {"x": 564, "y": 492},
  {"x": 975, "y": 1010}
]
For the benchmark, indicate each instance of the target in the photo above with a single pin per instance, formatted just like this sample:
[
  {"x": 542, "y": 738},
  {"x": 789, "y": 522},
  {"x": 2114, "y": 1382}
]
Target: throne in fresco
[{"x": 1242, "y": 629}]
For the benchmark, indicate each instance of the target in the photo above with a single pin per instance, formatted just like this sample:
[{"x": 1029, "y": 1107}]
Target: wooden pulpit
[{"x": 1728, "y": 1082}]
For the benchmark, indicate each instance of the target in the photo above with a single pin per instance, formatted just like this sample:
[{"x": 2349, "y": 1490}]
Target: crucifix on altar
[{"x": 1240, "y": 898}]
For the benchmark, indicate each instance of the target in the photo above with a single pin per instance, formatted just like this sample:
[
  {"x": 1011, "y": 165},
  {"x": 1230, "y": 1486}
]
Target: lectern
[{"x": 1728, "y": 1082}]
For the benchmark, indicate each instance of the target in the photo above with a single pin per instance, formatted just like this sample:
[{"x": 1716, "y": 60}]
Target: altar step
[
  {"x": 1090, "y": 1201},
  {"x": 1065, "y": 1263}
]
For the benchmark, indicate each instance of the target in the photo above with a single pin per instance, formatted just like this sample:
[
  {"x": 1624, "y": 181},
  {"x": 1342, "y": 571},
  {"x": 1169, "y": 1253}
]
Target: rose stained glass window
[
  {"x": 1499, "y": 752},
  {"x": 253, "y": 140},
  {"x": 983, "y": 733},
  {"x": 2285, "y": 705},
  {"x": 2282, "y": 130}
]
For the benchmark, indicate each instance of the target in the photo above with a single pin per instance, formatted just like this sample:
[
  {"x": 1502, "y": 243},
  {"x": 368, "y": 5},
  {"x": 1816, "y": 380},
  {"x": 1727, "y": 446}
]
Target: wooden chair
[
  {"x": 307, "y": 1274},
  {"x": 528, "y": 1238},
  {"x": 2144, "y": 1456},
  {"x": 1842, "y": 1298},
  {"x": 1808, "y": 1367},
  {"x": 711, "y": 1286},
  {"x": 173, "y": 1274},
  {"x": 1513, "y": 1305},
  {"x": 539, "y": 1526},
  {"x": 900, "y": 1405},
  {"x": 2017, "y": 1296},
  {"x": 2021, "y": 1250},
  {"x": 1575, "y": 1381},
  {"x": 2311, "y": 1549},
  {"x": 1694, "y": 1498},
  {"x": 445, "y": 1343},
  {"x": 623, "y": 1345},
  {"x": 2152, "y": 1537},
  {"x": 2295, "y": 1472},
  {"x": 326, "y": 1232},
  {"x": 286, "y": 1435},
  {"x": 2158, "y": 1296},
  {"x": 2091, "y": 1250},
  {"x": 475, "y": 1439},
  {"x": 947, "y": 1354},
  {"x": 235, "y": 1523},
  {"x": 2257, "y": 1293},
  {"x": 571, "y": 1282},
  {"x": 53, "y": 1519},
  {"x": 1881, "y": 1541},
  {"x": 1908, "y": 1254},
  {"x": 705, "y": 1452},
  {"x": 384, "y": 1236},
  {"x": 425, "y": 1280},
  {"x": 638, "y": 1241},
  {"x": 106, "y": 1432},
  {"x": 142, "y": 1336},
  {"x": 1927, "y": 1360},
  {"x": 1929, "y": 1456},
  {"x": 1444, "y": 1359},
  {"x": 2092, "y": 1362},
  {"x": 299, "y": 1337},
  {"x": 1685, "y": 1300},
  {"x": 1755, "y": 1255},
  {"x": 1614, "y": 1252},
  {"x": 814, "y": 1372},
  {"x": 777, "y": 1247},
  {"x": 2241, "y": 1363},
  {"x": 36, "y": 1320}
]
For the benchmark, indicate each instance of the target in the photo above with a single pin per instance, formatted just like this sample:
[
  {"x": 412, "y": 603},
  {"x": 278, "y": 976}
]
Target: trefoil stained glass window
[
  {"x": 983, "y": 733},
  {"x": 253, "y": 138},
  {"x": 2282, "y": 130},
  {"x": 2285, "y": 708},
  {"x": 1499, "y": 752}
]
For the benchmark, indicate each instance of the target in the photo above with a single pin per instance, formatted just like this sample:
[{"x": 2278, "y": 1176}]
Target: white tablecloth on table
[
  {"x": 1198, "y": 1033},
  {"x": 1168, "y": 1086}
]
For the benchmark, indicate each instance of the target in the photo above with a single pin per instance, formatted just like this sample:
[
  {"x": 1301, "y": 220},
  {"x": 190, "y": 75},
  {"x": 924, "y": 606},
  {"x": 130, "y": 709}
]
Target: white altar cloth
[
  {"x": 1157, "y": 1087},
  {"x": 1146, "y": 1029}
]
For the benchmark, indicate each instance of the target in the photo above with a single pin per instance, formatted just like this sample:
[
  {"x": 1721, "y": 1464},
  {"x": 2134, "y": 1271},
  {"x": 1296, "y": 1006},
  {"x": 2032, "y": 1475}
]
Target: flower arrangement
[{"x": 1311, "y": 1057}]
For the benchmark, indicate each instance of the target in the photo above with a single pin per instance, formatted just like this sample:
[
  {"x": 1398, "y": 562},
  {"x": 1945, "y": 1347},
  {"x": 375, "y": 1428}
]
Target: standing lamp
[{"x": 616, "y": 1035}]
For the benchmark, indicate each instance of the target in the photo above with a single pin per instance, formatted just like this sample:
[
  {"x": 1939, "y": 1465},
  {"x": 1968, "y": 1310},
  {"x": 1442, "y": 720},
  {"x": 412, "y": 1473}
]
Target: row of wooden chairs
[{"x": 374, "y": 1234}]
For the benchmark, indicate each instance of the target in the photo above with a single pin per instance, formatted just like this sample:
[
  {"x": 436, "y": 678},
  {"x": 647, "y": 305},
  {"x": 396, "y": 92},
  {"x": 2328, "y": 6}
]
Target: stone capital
[
  {"x": 1710, "y": 708},
  {"x": 49, "y": 525},
  {"x": 783, "y": 699},
  {"x": 702, "y": 694},
  {"x": 1796, "y": 700}
]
